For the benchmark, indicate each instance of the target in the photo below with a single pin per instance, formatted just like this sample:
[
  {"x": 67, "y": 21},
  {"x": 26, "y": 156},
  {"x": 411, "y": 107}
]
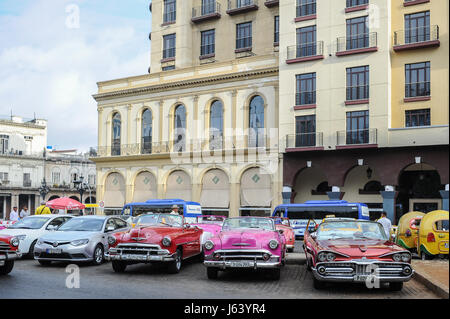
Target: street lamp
[
  {"x": 81, "y": 187},
  {"x": 44, "y": 189}
]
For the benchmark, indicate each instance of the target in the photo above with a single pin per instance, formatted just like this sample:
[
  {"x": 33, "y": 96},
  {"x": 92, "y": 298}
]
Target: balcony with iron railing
[
  {"x": 363, "y": 138},
  {"x": 418, "y": 91},
  {"x": 207, "y": 11},
  {"x": 360, "y": 43},
  {"x": 305, "y": 52},
  {"x": 304, "y": 142},
  {"x": 358, "y": 94},
  {"x": 241, "y": 6},
  {"x": 305, "y": 12},
  {"x": 416, "y": 38}
]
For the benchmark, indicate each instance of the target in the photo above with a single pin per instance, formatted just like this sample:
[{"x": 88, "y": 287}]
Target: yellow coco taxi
[
  {"x": 433, "y": 235},
  {"x": 408, "y": 230}
]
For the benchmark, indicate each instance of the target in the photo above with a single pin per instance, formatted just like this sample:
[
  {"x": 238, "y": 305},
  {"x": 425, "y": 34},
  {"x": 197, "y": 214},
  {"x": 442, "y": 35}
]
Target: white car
[{"x": 31, "y": 228}]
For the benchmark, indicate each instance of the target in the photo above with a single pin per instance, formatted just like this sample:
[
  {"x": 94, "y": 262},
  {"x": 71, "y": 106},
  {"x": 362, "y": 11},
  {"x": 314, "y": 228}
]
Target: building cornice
[{"x": 187, "y": 83}]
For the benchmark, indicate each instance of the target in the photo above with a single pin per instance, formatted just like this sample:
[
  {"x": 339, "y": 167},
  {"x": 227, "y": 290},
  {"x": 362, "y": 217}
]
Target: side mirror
[
  {"x": 281, "y": 231},
  {"x": 110, "y": 228},
  {"x": 314, "y": 236},
  {"x": 52, "y": 227}
]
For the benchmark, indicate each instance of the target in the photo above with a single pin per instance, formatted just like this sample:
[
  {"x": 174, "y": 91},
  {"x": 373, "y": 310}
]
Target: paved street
[{"x": 30, "y": 280}]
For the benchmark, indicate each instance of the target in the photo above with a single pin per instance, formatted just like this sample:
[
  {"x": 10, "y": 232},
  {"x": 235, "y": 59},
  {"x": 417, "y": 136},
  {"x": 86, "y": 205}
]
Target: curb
[{"x": 428, "y": 282}]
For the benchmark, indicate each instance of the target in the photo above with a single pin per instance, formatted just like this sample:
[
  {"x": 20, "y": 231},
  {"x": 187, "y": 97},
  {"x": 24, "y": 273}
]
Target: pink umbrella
[{"x": 65, "y": 203}]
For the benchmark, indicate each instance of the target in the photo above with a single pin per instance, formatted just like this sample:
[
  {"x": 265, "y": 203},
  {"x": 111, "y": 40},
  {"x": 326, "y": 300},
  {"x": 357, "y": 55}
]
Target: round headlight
[
  {"x": 322, "y": 257},
  {"x": 273, "y": 244},
  {"x": 331, "y": 257},
  {"x": 209, "y": 245},
  {"x": 397, "y": 257},
  {"x": 406, "y": 257},
  {"x": 166, "y": 241},
  {"x": 14, "y": 242},
  {"x": 111, "y": 240}
]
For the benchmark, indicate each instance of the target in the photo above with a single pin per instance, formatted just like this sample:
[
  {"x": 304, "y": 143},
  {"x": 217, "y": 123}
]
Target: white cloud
[{"x": 50, "y": 70}]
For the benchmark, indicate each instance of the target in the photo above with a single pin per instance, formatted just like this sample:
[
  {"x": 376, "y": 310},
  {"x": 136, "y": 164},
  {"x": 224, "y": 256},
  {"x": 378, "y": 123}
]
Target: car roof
[
  {"x": 49, "y": 215},
  {"x": 95, "y": 216}
]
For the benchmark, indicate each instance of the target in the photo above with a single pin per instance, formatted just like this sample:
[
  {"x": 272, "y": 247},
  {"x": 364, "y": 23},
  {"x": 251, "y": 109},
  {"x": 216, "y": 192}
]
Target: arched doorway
[
  {"x": 418, "y": 189},
  {"x": 145, "y": 187},
  {"x": 215, "y": 197},
  {"x": 90, "y": 200},
  {"x": 114, "y": 191},
  {"x": 310, "y": 184},
  {"x": 74, "y": 198},
  {"x": 256, "y": 193},
  {"x": 53, "y": 197},
  {"x": 179, "y": 186}
]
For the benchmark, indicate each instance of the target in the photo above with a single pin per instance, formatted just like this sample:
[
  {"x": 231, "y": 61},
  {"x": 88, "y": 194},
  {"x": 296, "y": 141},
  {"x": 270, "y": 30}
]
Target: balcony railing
[
  {"x": 304, "y": 140},
  {"x": 417, "y": 89},
  {"x": 305, "y": 50},
  {"x": 209, "y": 10},
  {"x": 357, "y": 137},
  {"x": 305, "y": 98},
  {"x": 26, "y": 183},
  {"x": 241, "y": 6},
  {"x": 359, "y": 92},
  {"x": 426, "y": 36},
  {"x": 356, "y": 43}
]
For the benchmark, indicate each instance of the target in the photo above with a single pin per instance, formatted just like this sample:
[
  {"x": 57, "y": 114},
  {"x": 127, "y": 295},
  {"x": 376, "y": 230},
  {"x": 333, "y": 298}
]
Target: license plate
[
  {"x": 360, "y": 278},
  {"x": 54, "y": 251},
  {"x": 242, "y": 264},
  {"x": 135, "y": 257}
]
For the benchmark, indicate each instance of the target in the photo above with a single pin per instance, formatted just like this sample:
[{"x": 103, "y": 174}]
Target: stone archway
[
  {"x": 215, "y": 189},
  {"x": 114, "y": 190},
  {"x": 256, "y": 192},
  {"x": 306, "y": 185},
  {"x": 145, "y": 187},
  {"x": 179, "y": 186}
]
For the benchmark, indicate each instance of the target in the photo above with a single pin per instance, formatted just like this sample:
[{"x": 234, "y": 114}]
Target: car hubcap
[
  {"x": 178, "y": 261},
  {"x": 98, "y": 255}
]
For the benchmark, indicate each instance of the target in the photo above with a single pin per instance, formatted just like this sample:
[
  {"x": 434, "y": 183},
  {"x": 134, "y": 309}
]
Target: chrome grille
[
  {"x": 137, "y": 249},
  {"x": 4, "y": 247},
  {"x": 240, "y": 255}
]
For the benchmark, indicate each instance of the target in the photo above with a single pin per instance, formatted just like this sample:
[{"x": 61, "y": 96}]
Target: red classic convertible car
[
  {"x": 8, "y": 253},
  {"x": 346, "y": 250},
  {"x": 157, "y": 238}
]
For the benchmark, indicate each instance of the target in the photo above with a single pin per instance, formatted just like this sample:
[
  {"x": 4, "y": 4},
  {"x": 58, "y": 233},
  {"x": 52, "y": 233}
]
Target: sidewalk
[{"x": 433, "y": 274}]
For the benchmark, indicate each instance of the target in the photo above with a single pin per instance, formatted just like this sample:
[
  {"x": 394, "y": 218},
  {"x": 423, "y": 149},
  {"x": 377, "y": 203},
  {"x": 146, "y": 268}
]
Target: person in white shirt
[
  {"x": 174, "y": 210},
  {"x": 14, "y": 215},
  {"x": 386, "y": 223},
  {"x": 24, "y": 212}
]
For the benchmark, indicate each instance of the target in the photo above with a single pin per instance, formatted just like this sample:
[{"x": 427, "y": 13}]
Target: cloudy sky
[{"x": 53, "y": 52}]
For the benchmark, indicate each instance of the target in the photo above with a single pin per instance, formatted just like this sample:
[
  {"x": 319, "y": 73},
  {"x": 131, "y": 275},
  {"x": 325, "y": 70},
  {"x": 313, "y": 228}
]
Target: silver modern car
[{"x": 81, "y": 239}]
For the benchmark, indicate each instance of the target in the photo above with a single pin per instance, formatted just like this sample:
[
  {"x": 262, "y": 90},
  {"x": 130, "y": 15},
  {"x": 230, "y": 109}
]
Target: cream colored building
[
  {"x": 343, "y": 104},
  {"x": 203, "y": 124}
]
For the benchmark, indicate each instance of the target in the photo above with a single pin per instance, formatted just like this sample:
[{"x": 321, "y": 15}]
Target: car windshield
[
  {"x": 83, "y": 224},
  {"x": 160, "y": 219},
  {"x": 30, "y": 223},
  {"x": 210, "y": 220},
  {"x": 248, "y": 222},
  {"x": 350, "y": 230},
  {"x": 281, "y": 221}
]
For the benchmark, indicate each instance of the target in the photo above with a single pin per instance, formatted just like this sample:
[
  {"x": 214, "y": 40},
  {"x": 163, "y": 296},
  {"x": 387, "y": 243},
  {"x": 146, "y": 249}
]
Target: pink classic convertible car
[
  {"x": 246, "y": 242},
  {"x": 210, "y": 223}
]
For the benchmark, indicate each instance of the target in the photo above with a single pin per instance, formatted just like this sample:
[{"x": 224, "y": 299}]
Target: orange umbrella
[{"x": 65, "y": 203}]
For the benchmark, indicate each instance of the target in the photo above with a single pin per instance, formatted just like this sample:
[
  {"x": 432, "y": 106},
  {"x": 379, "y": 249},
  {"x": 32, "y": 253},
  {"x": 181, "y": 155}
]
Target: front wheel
[
  {"x": 395, "y": 286},
  {"x": 99, "y": 255},
  {"x": 7, "y": 267},
  {"x": 30, "y": 254},
  {"x": 212, "y": 273},
  {"x": 175, "y": 266},
  {"x": 119, "y": 266}
]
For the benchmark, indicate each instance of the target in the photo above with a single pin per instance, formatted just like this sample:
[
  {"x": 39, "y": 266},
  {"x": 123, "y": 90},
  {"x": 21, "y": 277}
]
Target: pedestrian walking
[
  {"x": 386, "y": 223},
  {"x": 24, "y": 212},
  {"x": 14, "y": 215},
  {"x": 43, "y": 210}
]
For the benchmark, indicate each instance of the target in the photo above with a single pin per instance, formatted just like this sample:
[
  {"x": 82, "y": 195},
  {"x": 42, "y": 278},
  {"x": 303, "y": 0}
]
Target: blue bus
[
  {"x": 190, "y": 210},
  {"x": 300, "y": 214}
]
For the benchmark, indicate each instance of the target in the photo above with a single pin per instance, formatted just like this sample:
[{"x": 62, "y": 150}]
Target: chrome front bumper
[
  {"x": 13, "y": 255},
  {"x": 362, "y": 270},
  {"x": 139, "y": 253},
  {"x": 68, "y": 253},
  {"x": 241, "y": 259}
]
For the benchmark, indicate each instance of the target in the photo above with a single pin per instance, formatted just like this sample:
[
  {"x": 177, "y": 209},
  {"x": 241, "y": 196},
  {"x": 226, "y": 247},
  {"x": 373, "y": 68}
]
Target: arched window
[
  {"x": 256, "y": 122},
  {"x": 116, "y": 134},
  {"x": 146, "y": 132},
  {"x": 180, "y": 128},
  {"x": 216, "y": 126}
]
